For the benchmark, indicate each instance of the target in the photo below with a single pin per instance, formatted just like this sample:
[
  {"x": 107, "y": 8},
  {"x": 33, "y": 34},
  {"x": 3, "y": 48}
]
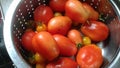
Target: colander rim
[{"x": 13, "y": 52}]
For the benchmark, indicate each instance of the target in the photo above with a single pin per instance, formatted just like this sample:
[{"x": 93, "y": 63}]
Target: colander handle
[{"x": 116, "y": 6}]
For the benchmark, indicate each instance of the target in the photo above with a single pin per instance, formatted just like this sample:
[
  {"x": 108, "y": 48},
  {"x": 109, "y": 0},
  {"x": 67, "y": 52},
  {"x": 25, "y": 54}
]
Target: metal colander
[{"x": 20, "y": 11}]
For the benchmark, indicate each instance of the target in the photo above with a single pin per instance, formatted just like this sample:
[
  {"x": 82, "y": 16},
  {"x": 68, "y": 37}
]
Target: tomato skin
[
  {"x": 57, "y": 14},
  {"x": 93, "y": 15},
  {"x": 43, "y": 14},
  {"x": 58, "y": 5},
  {"x": 38, "y": 58},
  {"x": 89, "y": 56},
  {"x": 59, "y": 25},
  {"x": 63, "y": 63},
  {"x": 44, "y": 43},
  {"x": 75, "y": 10},
  {"x": 38, "y": 65},
  {"x": 66, "y": 46},
  {"x": 75, "y": 36},
  {"x": 96, "y": 30},
  {"x": 27, "y": 40},
  {"x": 41, "y": 27},
  {"x": 86, "y": 40}
]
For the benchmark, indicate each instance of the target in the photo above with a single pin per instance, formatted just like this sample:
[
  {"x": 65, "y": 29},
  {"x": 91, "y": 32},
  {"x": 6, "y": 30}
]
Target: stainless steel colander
[{"x": 20, "y": 11}]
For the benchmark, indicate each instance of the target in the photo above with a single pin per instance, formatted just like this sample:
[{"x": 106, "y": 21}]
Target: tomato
[
  {"x": 41, "y": 27},
  {"x": 58, "y": 5},
  {"x": 66, "y": 46},
  {"x": 38, "y": 58},
  {"x": 89, "y": 56},
  {"x": 38, "y": 65},
  {"x": 75, "y": 36},
  {"x": 62, "y": 63},
  {"x": 86, "y": 40},
  {"x": 96, "y": 30},
  {"x": 93, "y": 15},
  {"x": 27, "y": 40},
  {"x": 57, "y": 14},
  {"x": 43, "y": 14},
  {"x": 44, "y": 43},
  {"x": 59, "y": 24},
  {"x": 75, "y": 10}
]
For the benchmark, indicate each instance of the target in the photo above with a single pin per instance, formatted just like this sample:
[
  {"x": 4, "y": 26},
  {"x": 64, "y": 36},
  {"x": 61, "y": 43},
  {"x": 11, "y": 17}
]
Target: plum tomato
[
  {"x": 43, "y": 14},
  {"x": 62, "y": 62},
  {"x": 66, "y": 46},
  {"x": 93, "y": 15},
  {"x": 58, "y": 5},
  {"x": 75, "y": 10},
  {"x": 27, "y": 40},
  {"x": 75, "y": 36},
  {"x": 96, "y": 30},
  {"x": 59, "y": 25},
  {"x": 44, "y": 43},
  {"x": 89, "y": 56}
]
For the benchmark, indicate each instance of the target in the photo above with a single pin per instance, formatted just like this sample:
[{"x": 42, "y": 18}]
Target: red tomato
[
  {"x": 44, "y": 43},
  {"x": 93, "y": 15},
  {"x": 66, "y": 46},
  {"x": 75, "y": 36},
  {"x": 89, "y": 56},
  {"x": 27, "y": 40},
  {"x": 96, "y": 30},
  {"x": 75, "y": 10},
  {"x": 62, "y": 63},
  {"x": 43, "y": 14},
  {"x": 59, "y": 24},
  {"x": 58, "y": 5}
]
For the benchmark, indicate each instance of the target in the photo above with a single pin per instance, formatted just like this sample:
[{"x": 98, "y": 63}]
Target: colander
[{"x": 20, "y": 11}]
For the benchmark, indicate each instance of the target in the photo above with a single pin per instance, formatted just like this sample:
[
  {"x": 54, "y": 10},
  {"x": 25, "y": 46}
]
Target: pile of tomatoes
[{"x": 64, "y": 36}]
